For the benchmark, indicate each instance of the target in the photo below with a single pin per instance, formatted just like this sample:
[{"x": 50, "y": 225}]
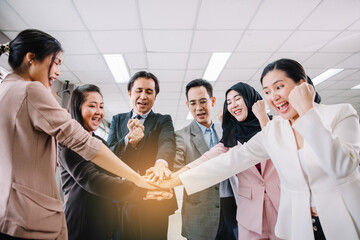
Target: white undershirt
[{"x": 306, "y": 173}]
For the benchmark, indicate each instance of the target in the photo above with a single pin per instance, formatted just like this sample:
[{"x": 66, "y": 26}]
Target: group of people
[{"x": 292, "y": 176}]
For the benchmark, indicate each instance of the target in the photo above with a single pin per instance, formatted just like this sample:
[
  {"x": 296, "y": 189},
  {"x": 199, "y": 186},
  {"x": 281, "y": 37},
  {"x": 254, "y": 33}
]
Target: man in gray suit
[{"x": 211, "y": 213}]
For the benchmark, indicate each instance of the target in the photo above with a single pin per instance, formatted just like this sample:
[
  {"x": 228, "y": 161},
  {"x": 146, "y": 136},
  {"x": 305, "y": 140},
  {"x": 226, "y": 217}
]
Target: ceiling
[{"x": 174, "y": 40}]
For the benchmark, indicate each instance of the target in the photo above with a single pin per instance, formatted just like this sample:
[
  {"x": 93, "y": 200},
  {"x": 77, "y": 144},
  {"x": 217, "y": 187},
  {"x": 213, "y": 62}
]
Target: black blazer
[
  {"x": 89, "y": 192},
  {"x": 158, "y": 143}
]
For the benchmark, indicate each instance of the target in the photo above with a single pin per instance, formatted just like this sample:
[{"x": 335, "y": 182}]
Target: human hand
[
  {"x": 168, "y": 183},
  {"x": 259, "y": 110},
  {"x": 302, "y": 97},
  {"x": 159, "y": 195},
  {"x": 143, "y": 183},
  {"x": 158, "y": 173},
  {"x": 136, "y": 131}
]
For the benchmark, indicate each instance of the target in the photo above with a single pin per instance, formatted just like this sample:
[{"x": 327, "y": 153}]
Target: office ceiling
[{"x": 174, "y": 40}]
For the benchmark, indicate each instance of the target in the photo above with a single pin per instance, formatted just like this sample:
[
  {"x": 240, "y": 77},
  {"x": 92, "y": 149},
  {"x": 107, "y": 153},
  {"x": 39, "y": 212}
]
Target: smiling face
[
  {"x": 45, "y": 71},
  {"x": 142, "y": 95},
  {"x": 277, "y": 87},
  {"x": 200, "y": 105},
  {"x": 92, "y": 111},
  {"x": 236, "y": 105}
]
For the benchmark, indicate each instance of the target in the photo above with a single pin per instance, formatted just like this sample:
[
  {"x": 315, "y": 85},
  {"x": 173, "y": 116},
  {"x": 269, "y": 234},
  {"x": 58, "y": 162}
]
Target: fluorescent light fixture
[
  {"x": 216, "y": 65},
  {"x": 189, "y": 116},
  {"x": 117, "y": 65},
  {"x": 356, "y": 87},
  {"x": 326, "y": 75}
]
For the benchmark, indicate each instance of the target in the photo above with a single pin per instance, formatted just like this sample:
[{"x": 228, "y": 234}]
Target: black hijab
[{"x": 233, "y": 130}]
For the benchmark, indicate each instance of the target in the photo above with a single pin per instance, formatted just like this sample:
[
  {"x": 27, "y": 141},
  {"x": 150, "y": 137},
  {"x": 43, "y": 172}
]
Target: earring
[{"x": 30, "y": 62}]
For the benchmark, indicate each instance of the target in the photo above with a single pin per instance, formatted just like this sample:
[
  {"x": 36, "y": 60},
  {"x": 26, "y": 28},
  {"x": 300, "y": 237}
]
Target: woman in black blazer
[{"x": 89, "y": 190}]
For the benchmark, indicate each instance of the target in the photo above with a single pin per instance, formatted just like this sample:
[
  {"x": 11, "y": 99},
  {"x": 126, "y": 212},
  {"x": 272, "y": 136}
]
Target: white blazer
[{"x": 331, "y": 153}]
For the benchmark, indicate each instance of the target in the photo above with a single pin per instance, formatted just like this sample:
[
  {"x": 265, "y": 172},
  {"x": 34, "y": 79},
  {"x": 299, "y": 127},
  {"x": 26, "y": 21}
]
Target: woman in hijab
[{"x": 258, "y": 191}]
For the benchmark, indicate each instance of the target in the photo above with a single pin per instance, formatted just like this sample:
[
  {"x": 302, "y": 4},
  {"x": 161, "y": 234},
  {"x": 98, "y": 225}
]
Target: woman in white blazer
[{"x": 315, "y": 149}]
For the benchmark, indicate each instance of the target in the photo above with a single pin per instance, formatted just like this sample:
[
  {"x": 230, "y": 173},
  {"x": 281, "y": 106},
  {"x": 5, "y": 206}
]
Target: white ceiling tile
[
  {"x": 78, "y": 42},
  {"x": 346, "y": 85},
  {"x": 326, "y": 16},
  {"x": 11, "y": 34},
  {"x": 193, "y": 74},
  {"x": 112, "y": 42},
  {"x": 69, "y": 76},
  {"x": 330, "y": 92},
  {"x": 136, "y": 60},
  {"x": 167, "y": 40},
  {"x": 163, "y": 96},
  {"x": 110, "y": 14},
  {"x": 168, "y": 75},
  {"x": 335, "y": 100},
  {"x": 9, "y": 19},
  {"x": 85, "y": 63},
  {"x": 253, "y": 41},
  {"x": 115, "y": 97},
  {"x": 48, "y": 14},
  {"x": 355, "y": 26},
  {"x": 351, "y": 62},
  {"x": 348, "y": 41},
  {"x": 223, "y": 86},
  {"x": 199, "y": 60},
  {"x": 95, "y": 77},
  {"x": 307, "y": 41},
  {"x": 282, "y": 14},
  {"x": 215, "y": 41},
  {"x": 168, "y": 14},
  {"x": 324, "y": 60},
  {"x": 353, "y": 77},
  {"x": 170, "y": 86},
  {"x": 167, "y": 60},
  {"x": 108, "y": 88},
  {"x": 231, "y": 14},
  {"x": 247, "y": 60},
  {"x": 241, "y": 74},
  {"x": 299, "y": 57},
  {"x": 170, "y": 103},
  {"x": 313, "y": 72}
]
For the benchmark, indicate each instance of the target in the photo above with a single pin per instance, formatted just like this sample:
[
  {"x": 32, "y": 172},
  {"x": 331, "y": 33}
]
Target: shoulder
[
  {"x": 119, "y": 116},
  {"x": 183, "y": 131},
  {"x": 335, "y": 109},
  {"x": 164, "y": 117}
]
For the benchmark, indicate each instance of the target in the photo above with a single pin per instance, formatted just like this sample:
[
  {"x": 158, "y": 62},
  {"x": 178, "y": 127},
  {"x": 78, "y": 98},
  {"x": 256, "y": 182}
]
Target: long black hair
[
  {"x": 35, "y": 41},
  {"x": 77, "y": 98},
  {"x": 293, "y": 70}
]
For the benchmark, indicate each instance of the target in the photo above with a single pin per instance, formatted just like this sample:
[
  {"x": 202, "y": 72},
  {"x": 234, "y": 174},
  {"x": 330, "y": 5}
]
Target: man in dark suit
[{"x": 144, "y": 139}]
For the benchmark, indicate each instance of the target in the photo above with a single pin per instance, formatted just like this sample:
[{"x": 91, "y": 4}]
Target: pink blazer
[{"x": 251, "y": 189}]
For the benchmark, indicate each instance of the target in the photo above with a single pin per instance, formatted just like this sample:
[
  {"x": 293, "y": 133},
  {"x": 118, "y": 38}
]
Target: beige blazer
[
  {"x": 331, "y": 152},
  {"x": 31, "y": 122}
]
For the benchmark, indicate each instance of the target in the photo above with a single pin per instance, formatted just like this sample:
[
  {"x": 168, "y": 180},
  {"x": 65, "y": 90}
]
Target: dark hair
[
  {"x": 144, "y": 74},
  {"x": 199, "y": 83},
  {"x": 77, "y": 99},
  {"x": 34, "y": 41},
  {"x": 292, "y": 69}
]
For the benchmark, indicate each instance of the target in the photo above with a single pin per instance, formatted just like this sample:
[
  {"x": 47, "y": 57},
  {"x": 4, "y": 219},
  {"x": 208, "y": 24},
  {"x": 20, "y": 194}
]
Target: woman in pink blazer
[{"x": 258, "y": 189}]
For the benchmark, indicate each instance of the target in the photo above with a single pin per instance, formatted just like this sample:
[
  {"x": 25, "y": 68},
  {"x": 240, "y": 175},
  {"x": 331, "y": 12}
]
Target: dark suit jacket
[
  {"x": 158, "y": 143},
  {"x": 89, "y": 192}
]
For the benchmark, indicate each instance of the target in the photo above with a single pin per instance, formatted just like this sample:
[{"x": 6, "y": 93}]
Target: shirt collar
[
  {"x": 203, "y": 128},
  {"x": 144, "y": 116}
]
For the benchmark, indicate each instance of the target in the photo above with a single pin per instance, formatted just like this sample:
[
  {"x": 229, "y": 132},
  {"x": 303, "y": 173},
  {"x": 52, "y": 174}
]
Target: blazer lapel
[
  {"x": 123, "y": 123},
  {"x": 197, "y": 138},
  {"x": 149, "y": 123}
]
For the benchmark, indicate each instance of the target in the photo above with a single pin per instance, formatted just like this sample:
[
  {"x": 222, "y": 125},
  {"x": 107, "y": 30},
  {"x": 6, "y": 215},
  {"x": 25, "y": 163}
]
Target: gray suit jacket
[{"x": 200, "y": 211}]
